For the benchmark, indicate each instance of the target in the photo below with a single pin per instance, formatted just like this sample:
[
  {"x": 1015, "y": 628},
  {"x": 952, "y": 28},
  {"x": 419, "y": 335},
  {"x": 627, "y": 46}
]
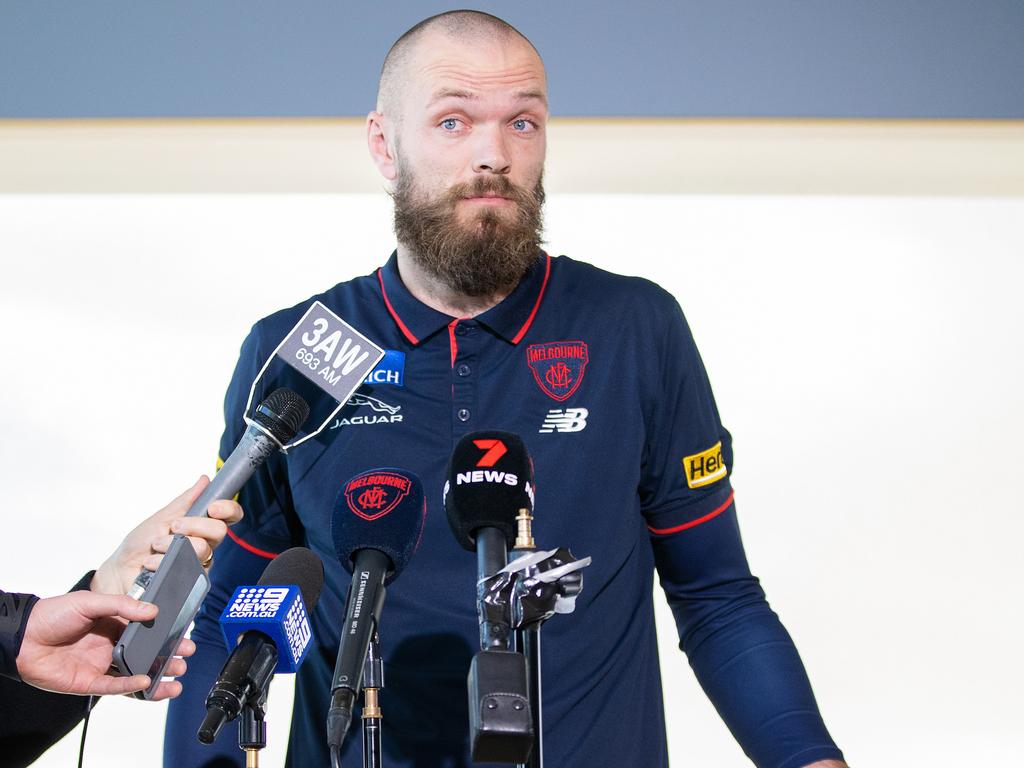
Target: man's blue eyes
[{"x": 452, "y": 123}]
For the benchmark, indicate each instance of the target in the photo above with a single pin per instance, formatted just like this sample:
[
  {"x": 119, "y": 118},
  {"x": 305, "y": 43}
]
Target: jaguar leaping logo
[
  {"x": 378, "y": 405},
  {"x": 382, "y": 412}
]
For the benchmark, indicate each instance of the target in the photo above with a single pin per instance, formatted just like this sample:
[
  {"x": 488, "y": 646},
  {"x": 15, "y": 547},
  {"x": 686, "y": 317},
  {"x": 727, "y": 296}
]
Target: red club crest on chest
[
  {"x": 374, "y": 494},
  {"x": 558, "y": 366}
]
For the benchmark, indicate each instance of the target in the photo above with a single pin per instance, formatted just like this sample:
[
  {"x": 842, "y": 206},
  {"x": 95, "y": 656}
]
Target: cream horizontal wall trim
[{"x": 631, "y": 156}]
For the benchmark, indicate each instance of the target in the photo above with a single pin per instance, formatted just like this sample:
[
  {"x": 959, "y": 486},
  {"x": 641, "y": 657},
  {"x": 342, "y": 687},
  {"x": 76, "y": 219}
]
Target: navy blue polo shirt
[{"x": 599, "y": 375}]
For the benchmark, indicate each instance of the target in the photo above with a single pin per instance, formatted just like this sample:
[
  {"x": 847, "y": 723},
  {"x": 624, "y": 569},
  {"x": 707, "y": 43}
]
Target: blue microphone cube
[{"x": 276, "y": 611}]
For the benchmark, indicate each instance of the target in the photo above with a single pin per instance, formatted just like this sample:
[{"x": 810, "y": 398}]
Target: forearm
[
  {"x": 738, "y": 648},
  {"x": 753, "y": 675}
]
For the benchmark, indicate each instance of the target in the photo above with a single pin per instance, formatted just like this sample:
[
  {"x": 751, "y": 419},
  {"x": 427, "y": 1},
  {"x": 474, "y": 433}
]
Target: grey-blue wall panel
[{"x": 773, "y": 58}]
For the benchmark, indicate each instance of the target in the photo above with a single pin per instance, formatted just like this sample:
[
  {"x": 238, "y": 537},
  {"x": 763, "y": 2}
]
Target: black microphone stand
[
  {"x": 373, "y": 682},
  {"x": 252, "y": 728},
  {"x": 527, "y": 642}
]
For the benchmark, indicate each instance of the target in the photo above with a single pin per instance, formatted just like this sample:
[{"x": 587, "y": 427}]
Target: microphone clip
[{"x": 532, "y": 588}]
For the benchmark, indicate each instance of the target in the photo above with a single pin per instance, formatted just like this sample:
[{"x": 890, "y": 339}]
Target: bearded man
[{"x": 487, "y": 331}]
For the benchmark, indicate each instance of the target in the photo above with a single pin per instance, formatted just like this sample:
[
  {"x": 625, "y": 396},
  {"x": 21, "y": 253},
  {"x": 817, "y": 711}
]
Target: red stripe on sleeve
[
  {"x": 249, "y": 547},
  {"x": 401, "y": 326},
  {"x": 712, "y": 514}
]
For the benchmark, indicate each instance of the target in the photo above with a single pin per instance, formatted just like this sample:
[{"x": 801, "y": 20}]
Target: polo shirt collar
[{"x": 510, "y": 319}]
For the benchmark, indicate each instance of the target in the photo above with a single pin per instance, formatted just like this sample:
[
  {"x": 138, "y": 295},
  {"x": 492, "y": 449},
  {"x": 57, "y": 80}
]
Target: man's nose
[{"x": 490, "y": 153}]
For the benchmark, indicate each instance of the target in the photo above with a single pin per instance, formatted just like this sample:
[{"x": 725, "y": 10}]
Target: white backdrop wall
[{"x": 865, "y": 353}]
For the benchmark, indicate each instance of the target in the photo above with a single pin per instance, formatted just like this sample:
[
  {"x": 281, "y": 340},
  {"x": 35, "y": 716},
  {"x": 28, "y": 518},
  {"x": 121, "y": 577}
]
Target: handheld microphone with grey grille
[
  {"x": 377, "y": 523},
  {"x": 268, "y": 628},
  {"x": 276, "y": 421}
]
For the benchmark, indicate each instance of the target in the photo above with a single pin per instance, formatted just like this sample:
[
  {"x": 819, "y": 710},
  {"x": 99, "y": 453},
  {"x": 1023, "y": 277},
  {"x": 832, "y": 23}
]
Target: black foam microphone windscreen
[
  {"x": 298, "y": 566},
  {"x": 489, "y": 479},
  {"x": 382, "y": 509}
]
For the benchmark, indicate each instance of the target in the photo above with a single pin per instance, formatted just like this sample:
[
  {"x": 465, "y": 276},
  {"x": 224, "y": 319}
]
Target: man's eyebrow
[
  {"x": 538, "y": 95},
  {"x": 451, "y": 93},
  {"x": 455, "y": 93}
]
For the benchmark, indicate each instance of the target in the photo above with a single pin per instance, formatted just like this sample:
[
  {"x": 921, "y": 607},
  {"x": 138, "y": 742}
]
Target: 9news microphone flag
[{"x": 268, "y": 627}]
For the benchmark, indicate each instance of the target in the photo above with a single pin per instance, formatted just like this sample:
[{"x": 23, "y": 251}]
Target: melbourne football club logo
[
  {"x": 373, "y": 494},
  {"x": 558, "y": 366}
]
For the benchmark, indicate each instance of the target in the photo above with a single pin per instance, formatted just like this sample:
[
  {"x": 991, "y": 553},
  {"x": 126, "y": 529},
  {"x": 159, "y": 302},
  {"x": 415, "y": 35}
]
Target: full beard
[{"x": 484, "y": 256}]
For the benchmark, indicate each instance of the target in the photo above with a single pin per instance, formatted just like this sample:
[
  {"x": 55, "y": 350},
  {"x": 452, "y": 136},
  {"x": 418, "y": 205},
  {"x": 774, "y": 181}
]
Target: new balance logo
[{"x": 567, "y": 420}]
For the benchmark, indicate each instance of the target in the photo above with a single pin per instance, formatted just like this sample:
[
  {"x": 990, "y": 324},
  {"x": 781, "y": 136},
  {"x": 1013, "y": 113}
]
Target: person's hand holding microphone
[{"x": 68, "y": 640}]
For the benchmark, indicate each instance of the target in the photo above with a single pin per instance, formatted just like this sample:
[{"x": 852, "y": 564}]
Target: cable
[{"x": 85, "y": 727}]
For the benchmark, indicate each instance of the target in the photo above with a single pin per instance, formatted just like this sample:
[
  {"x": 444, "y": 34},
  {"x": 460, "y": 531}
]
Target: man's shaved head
[
  {"x": 459, "y": 133},
  {"x": 467, "y": 27}
]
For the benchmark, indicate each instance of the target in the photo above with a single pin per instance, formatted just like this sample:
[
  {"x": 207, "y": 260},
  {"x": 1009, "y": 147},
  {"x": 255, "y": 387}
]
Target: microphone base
[
  {"x": 252, "y": 729},
  {"x": 500, "y": 717}
]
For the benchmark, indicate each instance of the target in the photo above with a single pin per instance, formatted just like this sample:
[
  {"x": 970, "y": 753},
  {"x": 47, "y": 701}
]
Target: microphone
[
  {"x": 268, "y": 625},
  {"x": 377, "y": 524},
  {"x": 275, "y": 421},
  {"x": 489, "y": 487},
  {"x": 488, "y": 496}
]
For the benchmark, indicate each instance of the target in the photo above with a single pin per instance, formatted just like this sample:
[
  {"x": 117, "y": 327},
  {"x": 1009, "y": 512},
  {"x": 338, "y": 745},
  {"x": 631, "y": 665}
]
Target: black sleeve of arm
[
  {"x": 32, "y": 720},
  {"x": 738, "y": 648},
  {"x": 14, "y": 612}
]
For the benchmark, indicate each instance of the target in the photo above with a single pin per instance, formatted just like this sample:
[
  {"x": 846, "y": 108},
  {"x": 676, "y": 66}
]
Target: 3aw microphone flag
[{"x": 321, "y": 355}]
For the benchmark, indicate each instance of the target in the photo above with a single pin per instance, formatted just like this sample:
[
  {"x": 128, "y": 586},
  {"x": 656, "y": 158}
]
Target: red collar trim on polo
[
  {"x": 510, "y": 319},
  {"x": 398, "y": 321},
  {"x": 540, "y": 295}
]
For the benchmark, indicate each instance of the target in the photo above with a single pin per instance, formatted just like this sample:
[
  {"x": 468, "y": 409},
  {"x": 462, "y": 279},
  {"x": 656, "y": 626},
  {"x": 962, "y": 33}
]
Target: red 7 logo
[{"x": 494, "y": 450}]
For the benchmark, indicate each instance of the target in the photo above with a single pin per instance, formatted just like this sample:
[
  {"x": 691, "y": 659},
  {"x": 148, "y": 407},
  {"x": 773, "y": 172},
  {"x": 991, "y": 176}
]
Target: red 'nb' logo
[{"x": 493, "y": 450}]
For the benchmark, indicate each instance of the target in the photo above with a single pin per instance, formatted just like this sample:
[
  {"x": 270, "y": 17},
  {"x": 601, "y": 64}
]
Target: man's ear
[{"x": 380, "y": 142}]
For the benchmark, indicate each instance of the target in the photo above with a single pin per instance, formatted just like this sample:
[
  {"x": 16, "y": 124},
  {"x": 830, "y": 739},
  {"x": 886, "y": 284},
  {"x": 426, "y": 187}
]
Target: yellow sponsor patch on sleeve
[{"x": 705, "y": 467}]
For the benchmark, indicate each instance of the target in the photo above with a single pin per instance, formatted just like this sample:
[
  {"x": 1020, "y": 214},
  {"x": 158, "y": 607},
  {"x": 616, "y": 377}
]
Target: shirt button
[
  {"x": 463, "y": 370},
  {"x": 461, "y": 330},
  {"x": 463, "y": 414}
]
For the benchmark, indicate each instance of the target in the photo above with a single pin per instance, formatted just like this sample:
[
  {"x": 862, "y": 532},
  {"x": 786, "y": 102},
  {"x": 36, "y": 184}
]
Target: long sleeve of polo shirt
[{"x": 742, "y": 655}]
